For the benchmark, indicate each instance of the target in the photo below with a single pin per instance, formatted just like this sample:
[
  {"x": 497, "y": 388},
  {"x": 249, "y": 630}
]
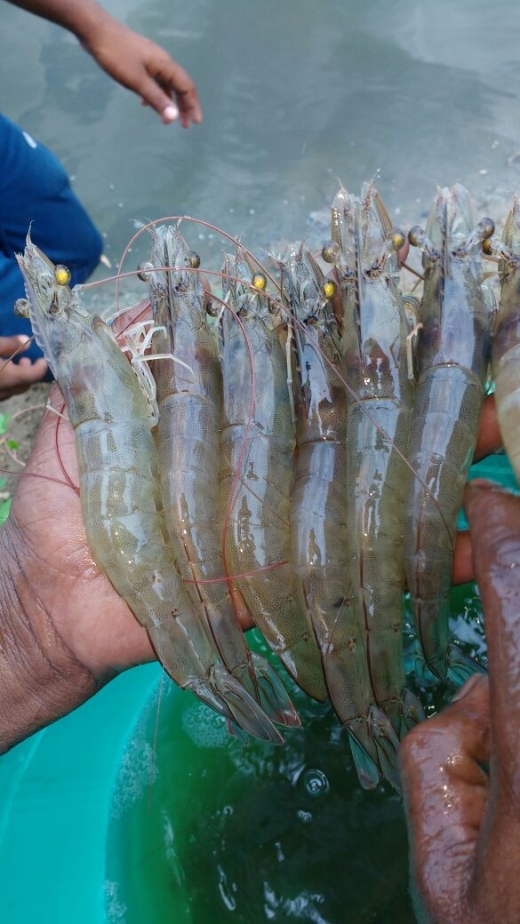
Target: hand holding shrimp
[
  {"x": 55, "y": 651},
  {"x": 460, "y": 771}
]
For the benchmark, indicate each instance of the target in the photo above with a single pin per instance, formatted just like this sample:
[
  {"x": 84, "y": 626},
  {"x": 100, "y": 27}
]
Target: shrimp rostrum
[{"x": 122, "y": 509}]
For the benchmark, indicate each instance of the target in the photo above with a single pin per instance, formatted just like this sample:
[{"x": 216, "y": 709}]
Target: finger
[
  {"x": 189, "y": 106},
  {"x": 462, "y": 571},
  {"x": 489, "y": 438},
  {"x": 140, "y": 312},
  {"x": 12, "y": 346},
  {"x": 494, "y": 519},
  {"x": 164, "y": 77},
  {"x": 15, "y": 379},
  {"x": 445, "y": 794}
]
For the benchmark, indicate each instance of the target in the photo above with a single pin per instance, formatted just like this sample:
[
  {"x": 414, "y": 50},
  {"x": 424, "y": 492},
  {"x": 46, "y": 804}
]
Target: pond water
[
  {"x": 206, "y": 829},
  {"x": 295, "y": 94}
]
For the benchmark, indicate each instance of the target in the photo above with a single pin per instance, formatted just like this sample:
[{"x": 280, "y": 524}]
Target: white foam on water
[
  {"x": 115, "y": 909},
  {"x": 204, "y": 727},
  {"x": 137, "y": 770}
]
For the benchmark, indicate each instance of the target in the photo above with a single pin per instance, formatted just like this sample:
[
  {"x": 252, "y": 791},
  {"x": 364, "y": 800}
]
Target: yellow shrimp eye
[
  {"x": 486, "y": 228},
  {"x": 144, "y": 271},
  {"x": 21, "y": 308},
  {"x": 396, "y": 238},
  {"x": 487, "y": 247},
  {"x": 192, "y": 259},
  {"x": 331, "y": 252},
  {"x": 329, "y": 288},
  {"x": 259, "y": 281},
  {"x": 416, "y": 236},
  {"x": 62, "y": 275}
]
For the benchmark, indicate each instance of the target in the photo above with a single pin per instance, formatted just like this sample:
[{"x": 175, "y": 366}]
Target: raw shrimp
[
  {"x": 379, "y": 400},
  {"x": 256, "y": 453},
  {"x": 452, "y": 365},
  {"x": 319, "y": 519},
  {"x": 188, "y": 394},
  {"x": 506, "y": 341},
  {"x": 112, "y": 418}
]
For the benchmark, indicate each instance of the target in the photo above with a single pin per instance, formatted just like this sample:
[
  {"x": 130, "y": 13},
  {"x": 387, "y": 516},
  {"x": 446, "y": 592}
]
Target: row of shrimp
[{"x": 296, "y": 451}]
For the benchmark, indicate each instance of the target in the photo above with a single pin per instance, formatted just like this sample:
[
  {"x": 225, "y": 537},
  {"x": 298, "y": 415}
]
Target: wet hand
[
  {"x": 144, "y": 67},
  {"x": 463, "y": 822},
  {"x": 16, "y": 378}
]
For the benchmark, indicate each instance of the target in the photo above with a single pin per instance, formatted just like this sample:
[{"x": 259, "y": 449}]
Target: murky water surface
[{"x": 295, "y": 94}]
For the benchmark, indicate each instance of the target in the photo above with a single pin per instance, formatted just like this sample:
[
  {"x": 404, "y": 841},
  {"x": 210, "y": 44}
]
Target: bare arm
[{"x": 135, "y": 62}]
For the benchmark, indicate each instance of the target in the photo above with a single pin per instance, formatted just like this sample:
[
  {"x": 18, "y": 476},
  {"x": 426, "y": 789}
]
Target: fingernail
[
  {"x": 472, "y": 682},
  {"x": 170, "y": 114}
]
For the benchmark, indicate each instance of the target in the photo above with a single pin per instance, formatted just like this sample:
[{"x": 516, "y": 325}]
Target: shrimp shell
[
  {"x": 188, "y": 395},
  {"x": 452, "y": 363},
  {"x": 122, "y": 509},
  {"x": 256, "y": 452}
]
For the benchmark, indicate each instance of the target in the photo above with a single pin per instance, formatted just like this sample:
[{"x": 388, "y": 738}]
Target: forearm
[
  {"x": 40, "y": 680},
  {"x": 81, "y": 17}
]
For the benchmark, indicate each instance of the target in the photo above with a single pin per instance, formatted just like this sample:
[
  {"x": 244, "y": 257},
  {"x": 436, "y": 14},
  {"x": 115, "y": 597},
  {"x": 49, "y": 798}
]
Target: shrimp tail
[
  {"x": 273, "y": 696},
  {"x": 411, "y": 712},
  {"x": 241, "y": 708},
  {"x": 220, "y": 690},
  {"x": 374, "y": 746},
  {"x": 369, "y": 774},
  {"x": 461, "y": 667},
  {"x": 432, "y": 622}
]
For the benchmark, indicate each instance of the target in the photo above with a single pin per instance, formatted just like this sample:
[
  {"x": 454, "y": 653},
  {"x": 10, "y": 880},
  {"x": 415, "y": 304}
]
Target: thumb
[
  {"x": 445, "y": 795},
  {"x": 152, "y": 95}
]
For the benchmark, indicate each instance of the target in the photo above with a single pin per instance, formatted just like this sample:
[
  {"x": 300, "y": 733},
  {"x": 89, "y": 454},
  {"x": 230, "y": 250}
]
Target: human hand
[
  {"x": 16, "y": 378},
  {"x": 463, "y": 819},
  {"x": 144, "y": 67},
  {"x": 64, "y": 631}
]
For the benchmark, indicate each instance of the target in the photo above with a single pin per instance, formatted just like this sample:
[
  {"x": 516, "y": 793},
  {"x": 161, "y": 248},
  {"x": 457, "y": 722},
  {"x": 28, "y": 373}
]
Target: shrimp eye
[
  {"x": 331, "y": 251},
  {"x": 416, "y": 236},
  {"x": 144, "y": 271},
  {"x": 192, "y": 259},
  {"x": 62, "y": 275},
  {"x": 396, "y": 238},
  {"x": 486, "y": 228},
  {"x": 329, "y": 289},
  {"x": 487, "y": 247},
  {"x": 259, "y": 281},
  {"x": 22, "y": 308},
  {"x": 212, "y": 308}
]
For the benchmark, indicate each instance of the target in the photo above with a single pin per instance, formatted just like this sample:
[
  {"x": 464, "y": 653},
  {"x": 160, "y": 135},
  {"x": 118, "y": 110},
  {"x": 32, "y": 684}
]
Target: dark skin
[{"x": 463, "y": 824}]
